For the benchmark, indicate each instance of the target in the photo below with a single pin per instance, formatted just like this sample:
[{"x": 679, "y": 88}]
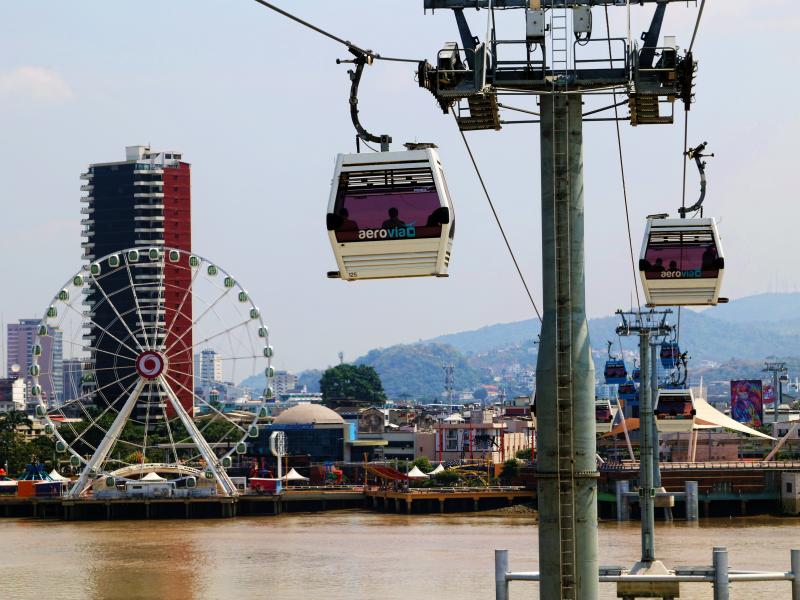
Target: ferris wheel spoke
[
  {"x": 139, "y": 313},
  {"x": 162, "y": 293},
  {"x": 212, "y": 462},
  {"x": 198, "y": 319},
  {"x": 186, "y": 295},
  {"x": 109, "y": 438},
  {"x": 204, "y": 402},
  {"x": 103, "y": 329},
  {"x": 214, "y": 336},
  {"x": 93, "y": 421},
  {"x": 79, "y": 400},
  {"x": 116, "y": 312}
]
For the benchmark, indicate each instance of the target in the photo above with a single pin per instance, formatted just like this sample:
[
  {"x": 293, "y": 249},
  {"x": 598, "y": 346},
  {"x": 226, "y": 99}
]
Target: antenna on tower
[{"x": 341, "y": 357}]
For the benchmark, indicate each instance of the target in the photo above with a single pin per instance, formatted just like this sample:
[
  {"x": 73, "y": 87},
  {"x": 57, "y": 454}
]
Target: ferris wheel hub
[{"x": 150, "y": 364}]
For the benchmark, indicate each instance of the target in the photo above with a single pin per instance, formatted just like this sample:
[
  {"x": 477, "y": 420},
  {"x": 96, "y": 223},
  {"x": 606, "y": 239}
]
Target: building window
[{"x": 788, "y": 488}]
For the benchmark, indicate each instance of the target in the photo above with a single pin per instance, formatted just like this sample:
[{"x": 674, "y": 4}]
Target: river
[{"x": 343, "y": 554}]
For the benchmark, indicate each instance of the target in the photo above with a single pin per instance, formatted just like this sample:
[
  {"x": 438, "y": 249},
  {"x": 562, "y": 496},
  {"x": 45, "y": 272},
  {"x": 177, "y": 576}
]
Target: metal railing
[
  {"x": 718, "y": 574},
  {"x": 733, "y": 465}
]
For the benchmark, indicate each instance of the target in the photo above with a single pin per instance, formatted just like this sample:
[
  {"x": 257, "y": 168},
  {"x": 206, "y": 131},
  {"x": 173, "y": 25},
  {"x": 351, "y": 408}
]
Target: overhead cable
[
  {"x": 697, "y": 24},
  {"x": 348, "y": 44},
  {"x": 622, "y": 175},
  {"x": 499, "y": 224}
]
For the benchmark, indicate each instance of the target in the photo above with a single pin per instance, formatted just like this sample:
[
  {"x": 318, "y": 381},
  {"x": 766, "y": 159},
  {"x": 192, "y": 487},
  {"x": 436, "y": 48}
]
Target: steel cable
[{"x": 499, "y": 224}]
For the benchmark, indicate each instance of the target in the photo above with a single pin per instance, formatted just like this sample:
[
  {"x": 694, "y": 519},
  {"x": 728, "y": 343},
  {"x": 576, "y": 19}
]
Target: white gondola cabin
[
  {"x": 603, "y": 415},
  {"x": 682, "y": 262},
  {"x": 675, "y": 411},
  {"x": 390, "y": 215}
]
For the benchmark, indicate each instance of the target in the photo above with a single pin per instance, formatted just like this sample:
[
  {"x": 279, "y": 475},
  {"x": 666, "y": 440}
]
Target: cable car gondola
[
  {"x": 682, "y": 261},
  {"x": 628, "y": 391},
  {"x": 636, "y": 374},
  {"x": 603, "y": 415},
  {"x": 614, "y": 372},
  {"x": 670, "y": 354},
  {"x": 390, "y": 215},
  {"x": 675, "y": 410}
]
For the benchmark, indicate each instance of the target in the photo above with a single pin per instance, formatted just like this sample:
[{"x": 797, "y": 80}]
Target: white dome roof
[{"x": 306, "y": 413}]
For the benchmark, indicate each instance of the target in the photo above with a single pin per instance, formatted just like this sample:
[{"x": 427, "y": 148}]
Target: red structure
[{"x": 177, "y": 281}]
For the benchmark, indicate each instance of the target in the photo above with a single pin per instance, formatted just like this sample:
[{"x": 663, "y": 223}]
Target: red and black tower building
[{"x": 143, "y": 202}]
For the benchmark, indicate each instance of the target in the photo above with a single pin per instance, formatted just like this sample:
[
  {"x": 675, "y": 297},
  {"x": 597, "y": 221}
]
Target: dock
[{"x": 305, "y": 499}]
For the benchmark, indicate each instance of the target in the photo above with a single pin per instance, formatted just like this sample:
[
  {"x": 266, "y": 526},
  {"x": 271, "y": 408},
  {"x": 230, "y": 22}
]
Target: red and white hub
[{"x": 150, "y": 364}]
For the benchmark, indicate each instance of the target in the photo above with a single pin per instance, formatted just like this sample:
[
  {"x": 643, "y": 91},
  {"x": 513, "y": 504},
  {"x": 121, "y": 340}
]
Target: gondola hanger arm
[
  {"x": 362, "y": 58},
  {"x": 698, "y": 156}
]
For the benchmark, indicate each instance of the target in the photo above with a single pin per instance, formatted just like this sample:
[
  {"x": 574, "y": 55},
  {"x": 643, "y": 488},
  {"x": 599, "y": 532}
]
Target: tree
[
  {"x": 423, "y": 464},
  {"x": 359, "y": 383},
  {"x": 524, "y": 454},
  {"x": 480, "y": 394},
  {"x": 510, "y": 470}
]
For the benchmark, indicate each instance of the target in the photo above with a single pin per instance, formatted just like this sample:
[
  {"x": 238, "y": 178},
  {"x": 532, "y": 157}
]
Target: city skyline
[{"x": 260, "y": 213}]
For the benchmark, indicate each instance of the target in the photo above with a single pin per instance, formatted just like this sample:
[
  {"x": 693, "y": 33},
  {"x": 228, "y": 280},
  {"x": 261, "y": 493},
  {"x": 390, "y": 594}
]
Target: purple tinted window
[
  {"x": 388, "y": 205},
  {"x": 674, "y": 407},
  {"x": 681, "y": 260},
  {"x": 615, "y": 372},
  {"x": 602, "y": 413}
]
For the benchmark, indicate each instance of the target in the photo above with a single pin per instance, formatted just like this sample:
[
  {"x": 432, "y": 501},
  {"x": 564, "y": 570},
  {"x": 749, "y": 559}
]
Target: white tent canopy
[
  {"x": 152, "y": 476},
  {"x": 415, "y": 473},
  {"x": 56, "y": 476},
  {"x": 708, "y": 417},
  {"x": 437, "y": 470},
  {"x": 293, "y": 475}
]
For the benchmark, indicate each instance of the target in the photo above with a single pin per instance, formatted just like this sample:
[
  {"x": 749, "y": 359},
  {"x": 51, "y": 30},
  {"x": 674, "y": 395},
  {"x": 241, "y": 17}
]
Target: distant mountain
[
  {"x": 737, "y": 337},
  {"x": 766, "y": 308},
  {"x": 751, "y": 328},
  {"x": 415, "y": 370}
]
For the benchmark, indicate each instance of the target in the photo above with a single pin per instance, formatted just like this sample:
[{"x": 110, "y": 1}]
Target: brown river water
[{"x": 346, "y": 554}]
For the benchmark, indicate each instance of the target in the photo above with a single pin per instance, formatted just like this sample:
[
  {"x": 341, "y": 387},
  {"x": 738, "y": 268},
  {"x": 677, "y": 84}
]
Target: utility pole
[
  {"x": 778, "y": 370},
  {"x": 647, "y": 326},
  {"x": 468, "y": 81},
  {"x": 449, "y": 370}
]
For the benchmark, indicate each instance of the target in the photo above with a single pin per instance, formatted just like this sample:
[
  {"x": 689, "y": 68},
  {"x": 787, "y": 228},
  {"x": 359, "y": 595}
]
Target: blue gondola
[
  {"x": 636, "y": 374},
  {"x": 670, "y": 354},
  {"x": 628, "y": 391},
  {"x": 614, "y": 371}
]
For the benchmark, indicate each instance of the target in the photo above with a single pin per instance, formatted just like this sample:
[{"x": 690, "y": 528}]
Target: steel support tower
[{"x": 467, "y": 80}]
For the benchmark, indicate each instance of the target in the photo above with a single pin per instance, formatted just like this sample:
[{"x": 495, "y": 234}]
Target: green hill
[{"x": 415, "y": 370}]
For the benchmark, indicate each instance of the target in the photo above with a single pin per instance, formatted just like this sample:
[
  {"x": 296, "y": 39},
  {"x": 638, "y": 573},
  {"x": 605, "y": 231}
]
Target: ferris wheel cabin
[
  {"x": 675, "y": 411},
  {"x": 682, "y": 262},
  {"x": 390, "y": 215}
]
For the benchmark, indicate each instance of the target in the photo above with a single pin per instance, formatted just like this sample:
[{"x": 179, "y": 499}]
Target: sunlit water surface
[{"x": 347, "y": 554}]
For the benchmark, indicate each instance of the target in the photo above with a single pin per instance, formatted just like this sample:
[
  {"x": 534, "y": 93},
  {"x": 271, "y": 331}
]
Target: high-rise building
[
  {"x": 142, "y": 202},
  {"x": 72, "y": 379},
  {"x": 207, "y": 368},
  {"x": 20, "y": 340},
  {"x": 12, "y": 394},
  {"x": 284, "y": 382}
]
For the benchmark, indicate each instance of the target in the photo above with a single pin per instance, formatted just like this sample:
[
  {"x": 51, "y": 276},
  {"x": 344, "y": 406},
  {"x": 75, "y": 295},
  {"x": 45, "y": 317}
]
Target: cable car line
[
  {"x": 622, "y": 174},
  {"x": 499, "y": 224},
  {"x": 348, "y": 44},
  {"x": 697, "y": 24}
]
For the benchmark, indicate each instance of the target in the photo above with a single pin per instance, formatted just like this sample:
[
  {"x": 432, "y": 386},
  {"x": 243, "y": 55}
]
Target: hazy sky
[{"x": 258, "y": 106}]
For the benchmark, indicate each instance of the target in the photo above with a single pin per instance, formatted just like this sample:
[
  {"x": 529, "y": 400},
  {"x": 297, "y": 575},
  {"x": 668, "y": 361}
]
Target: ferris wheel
[{"x": 166, "y": 368}]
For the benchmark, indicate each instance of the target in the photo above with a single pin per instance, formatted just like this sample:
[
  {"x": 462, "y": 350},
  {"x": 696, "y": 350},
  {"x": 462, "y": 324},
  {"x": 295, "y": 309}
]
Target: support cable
[
  {"x": 499, "y": 224},
  {"x": 697, "y": 24},
  {"x": 622, "y": 175},
  {"x": 349, "y": 45}
]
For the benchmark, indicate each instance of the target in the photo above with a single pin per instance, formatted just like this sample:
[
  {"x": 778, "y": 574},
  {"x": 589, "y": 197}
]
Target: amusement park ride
[{"x": 136, "y": 319}]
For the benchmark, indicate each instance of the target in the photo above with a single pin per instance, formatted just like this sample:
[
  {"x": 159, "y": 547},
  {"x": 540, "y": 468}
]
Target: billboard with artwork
[{"x": 747, "y": 402}]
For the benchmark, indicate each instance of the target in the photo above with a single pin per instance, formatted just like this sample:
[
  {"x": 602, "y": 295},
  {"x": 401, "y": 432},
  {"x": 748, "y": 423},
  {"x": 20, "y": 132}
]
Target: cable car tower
[{"x": 550, "y": 64}]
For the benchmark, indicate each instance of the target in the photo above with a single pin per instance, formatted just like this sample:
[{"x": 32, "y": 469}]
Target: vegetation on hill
[{"x": 415, "y": 371}]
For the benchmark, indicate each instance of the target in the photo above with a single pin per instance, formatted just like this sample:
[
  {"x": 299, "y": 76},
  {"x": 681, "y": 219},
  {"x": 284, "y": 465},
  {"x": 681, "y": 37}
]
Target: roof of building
[{"x": 305, "y": 413}]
